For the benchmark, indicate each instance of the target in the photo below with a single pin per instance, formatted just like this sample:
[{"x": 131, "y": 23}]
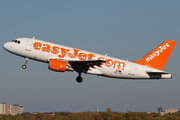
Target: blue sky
[{"x": 123, "y": 29}]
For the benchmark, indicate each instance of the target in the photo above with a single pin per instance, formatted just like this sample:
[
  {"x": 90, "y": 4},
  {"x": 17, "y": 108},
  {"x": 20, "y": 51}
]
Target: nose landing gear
[
  {"x": 79, "y": 79},
  {"x": 26, "y": 61}
]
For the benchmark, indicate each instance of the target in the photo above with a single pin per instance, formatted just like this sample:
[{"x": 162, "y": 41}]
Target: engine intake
[{"x": 58, "y": 66}]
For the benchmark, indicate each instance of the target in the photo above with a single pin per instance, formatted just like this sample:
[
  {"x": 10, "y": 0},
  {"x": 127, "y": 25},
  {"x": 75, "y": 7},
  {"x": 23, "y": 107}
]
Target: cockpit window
[{"x": 16, "y": 41}]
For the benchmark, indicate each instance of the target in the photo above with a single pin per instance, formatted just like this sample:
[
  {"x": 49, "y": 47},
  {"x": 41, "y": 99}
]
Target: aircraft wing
[{"x": 83, "y": 66}]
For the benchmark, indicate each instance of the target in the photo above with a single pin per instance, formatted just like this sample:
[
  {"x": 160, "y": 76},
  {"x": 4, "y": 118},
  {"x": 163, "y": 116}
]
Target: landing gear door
[
  {"x": 29, "y": 45},
  {"x": 132, "y": 70}
]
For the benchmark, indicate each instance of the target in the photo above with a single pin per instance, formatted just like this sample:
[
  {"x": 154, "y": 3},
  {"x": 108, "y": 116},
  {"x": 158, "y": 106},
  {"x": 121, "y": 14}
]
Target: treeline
[{"x": 93, "y": 116}]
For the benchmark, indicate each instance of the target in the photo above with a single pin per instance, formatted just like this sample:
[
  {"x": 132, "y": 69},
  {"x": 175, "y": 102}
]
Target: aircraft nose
[{"x": 6, "y": 46}]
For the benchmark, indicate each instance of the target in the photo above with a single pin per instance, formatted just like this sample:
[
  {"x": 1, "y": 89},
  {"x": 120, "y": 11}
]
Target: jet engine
[{"x": 59, "y": 66}]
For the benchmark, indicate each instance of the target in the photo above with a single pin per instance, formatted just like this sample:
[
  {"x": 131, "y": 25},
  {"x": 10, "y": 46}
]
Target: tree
[
  {"x": 48, "y": 117},
  {"x": 108, "y": 110}
]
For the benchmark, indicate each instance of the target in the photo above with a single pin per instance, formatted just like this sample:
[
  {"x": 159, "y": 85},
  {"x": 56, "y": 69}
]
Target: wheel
[
  {"x": 79, "y": 79},
  {"x": 24, "y": 66}
]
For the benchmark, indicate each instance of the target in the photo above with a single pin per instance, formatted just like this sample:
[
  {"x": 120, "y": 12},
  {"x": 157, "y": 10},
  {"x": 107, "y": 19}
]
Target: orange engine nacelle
[{"x": 57, "y": 65}]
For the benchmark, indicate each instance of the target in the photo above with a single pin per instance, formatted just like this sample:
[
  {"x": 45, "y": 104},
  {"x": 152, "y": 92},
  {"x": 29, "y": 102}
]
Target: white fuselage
[{"x": 115, "y": 68}]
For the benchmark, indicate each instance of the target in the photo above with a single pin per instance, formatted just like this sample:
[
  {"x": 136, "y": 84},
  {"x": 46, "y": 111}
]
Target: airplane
[{"x": 62, "y": 58}]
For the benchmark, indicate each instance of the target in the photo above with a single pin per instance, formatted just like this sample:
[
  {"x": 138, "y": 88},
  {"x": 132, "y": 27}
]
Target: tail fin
[{"x": 158, "y": 57}]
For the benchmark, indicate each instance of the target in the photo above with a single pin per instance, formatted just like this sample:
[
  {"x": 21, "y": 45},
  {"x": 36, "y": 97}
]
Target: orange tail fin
[{"x": 158, "y": 57}]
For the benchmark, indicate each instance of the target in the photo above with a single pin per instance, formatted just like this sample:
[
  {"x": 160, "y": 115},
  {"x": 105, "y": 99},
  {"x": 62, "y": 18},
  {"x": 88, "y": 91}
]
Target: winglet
[{"x": 158, "y": 57}]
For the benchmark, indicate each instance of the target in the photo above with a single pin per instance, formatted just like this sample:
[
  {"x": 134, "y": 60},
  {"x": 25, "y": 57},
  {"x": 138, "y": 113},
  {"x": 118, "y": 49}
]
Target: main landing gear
[
  {"x": 79, "y": 79},
  {"x": 26, "y": 61}
]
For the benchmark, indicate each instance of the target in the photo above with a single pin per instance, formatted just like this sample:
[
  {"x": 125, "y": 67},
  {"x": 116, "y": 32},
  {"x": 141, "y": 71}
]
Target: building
[
  {"x": 20, "y": 109},
  {"x": 2, "y": 108},
  {"x": 11, "y": 109},
  {"x": 8, "y": 109},
  {"x": 15, "y": 109},
  {"x": 163, "y": 111}
]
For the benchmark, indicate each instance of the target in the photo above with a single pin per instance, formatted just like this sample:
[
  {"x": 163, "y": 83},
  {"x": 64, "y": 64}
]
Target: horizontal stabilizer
[
  {"x": 159, "y": 75},
  {"x": 157, "y": 72}
]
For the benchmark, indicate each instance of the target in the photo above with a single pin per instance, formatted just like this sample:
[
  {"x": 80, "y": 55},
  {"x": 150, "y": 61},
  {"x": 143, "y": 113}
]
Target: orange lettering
[
  {"x": 90, "y": 56},
  {"x": 119, "y": 64},
  {"x": 37, "y": 45},
  {"x": 123, "y": 65},
  {"x": 73, "y": 55},
  {"x": 109, "y": 62},
  {"x": 55, "y": 50},
  {"x": 63, "y": 52},
  {"x": 82, "y": 56},
  {"x": 46, "y": 48}
]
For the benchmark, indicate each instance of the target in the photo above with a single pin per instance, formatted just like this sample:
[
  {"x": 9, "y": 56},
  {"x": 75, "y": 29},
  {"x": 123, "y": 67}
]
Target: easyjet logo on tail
[
  {"x": 157, "y": 52},
  {"x": 157, "y": 58},
  {"x": 62, "y": 52}
]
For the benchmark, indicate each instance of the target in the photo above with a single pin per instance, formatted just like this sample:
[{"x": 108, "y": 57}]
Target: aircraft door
[
  {"x": 132, "y": 70},
  {"x": 29, "y": 45}
]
